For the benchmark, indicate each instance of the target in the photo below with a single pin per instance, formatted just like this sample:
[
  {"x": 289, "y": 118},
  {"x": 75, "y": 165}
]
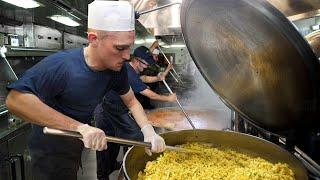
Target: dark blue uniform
[
  {"x": 64, "y": 82},
  {"x": 112, "y": 117}
]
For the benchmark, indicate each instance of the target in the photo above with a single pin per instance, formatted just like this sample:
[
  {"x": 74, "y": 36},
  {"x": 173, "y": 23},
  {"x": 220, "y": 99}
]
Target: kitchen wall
[{"x": 305, "y": 25}]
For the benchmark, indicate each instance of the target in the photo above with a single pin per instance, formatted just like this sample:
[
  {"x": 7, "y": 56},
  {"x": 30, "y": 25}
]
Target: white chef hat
[
  {"x": 111, "y": 16},
  {"x": 156, "y": 51}
]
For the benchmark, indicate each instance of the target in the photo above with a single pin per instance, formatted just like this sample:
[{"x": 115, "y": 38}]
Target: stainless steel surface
[
  {"x": 297, "y": 9},
  {"x": 308, "y": 159},
  {"x": 30, "y": 49},
  {"x": 135, "y": 159},
  {"x": 158, "y": 8},
  {"x": 74, "y": 134},
  {"x": 314, "y": 41},
  {"x": 20, "y": 21},
  {"x": 7, "y": 76},
  {"x": 182, "y": 109},
  {"x": 73, "y": 41},
  {"x": 310, "y": 167},
  {"x": 254, "y": 58},
  {"x": 46, "y": 38},
  {"x": 162, "y": 22}
]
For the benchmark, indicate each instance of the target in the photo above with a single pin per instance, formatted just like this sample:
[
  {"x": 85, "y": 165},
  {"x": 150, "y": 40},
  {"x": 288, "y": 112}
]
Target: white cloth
[
  {"x": 157, "y": 142},
  {"x": 111, "y": 16},
  {"x": 92, "y": 137}
]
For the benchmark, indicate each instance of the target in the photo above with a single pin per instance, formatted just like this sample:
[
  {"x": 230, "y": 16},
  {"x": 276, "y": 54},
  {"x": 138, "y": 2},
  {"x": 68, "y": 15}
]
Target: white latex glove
[
  {"x": 157, "y": 142},
  {"x": 161, "y": 77},
  {"x": 93, "y": 138},
  {"x": 3, "y": 51}
]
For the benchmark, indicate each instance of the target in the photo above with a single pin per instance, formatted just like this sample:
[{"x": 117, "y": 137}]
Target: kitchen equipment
[
  {"x": 261, "y": 67},
  {"x": 59, "y": 132},
  {"x": 184, "y": 112},
  {"x": 169, "y": 62},
  {"x": 254, "y": 58},
  {"x": 172, "y": 119},
  {"x": 314, "y": 41},
  {"x": 7, "y": 76},
  {"x": 135, "y": 159}
]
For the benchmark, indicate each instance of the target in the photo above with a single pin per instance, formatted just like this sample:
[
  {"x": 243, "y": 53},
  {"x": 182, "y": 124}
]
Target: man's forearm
[
  {"x": 155, "y": 96},
  {"x": 30, "y": 108},
  {"x": 139, "y": 114},
  {"x": 165, "y": 73},
  {"x": 149, "y": 79}
]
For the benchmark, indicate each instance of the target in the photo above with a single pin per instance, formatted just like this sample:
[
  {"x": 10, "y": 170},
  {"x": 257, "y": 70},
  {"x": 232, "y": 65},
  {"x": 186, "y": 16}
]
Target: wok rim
[{"x": 294, "y": 158}]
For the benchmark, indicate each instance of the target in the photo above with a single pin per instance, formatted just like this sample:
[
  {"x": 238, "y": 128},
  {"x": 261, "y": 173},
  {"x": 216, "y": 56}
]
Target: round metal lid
[{"x": 255, "y": 59}]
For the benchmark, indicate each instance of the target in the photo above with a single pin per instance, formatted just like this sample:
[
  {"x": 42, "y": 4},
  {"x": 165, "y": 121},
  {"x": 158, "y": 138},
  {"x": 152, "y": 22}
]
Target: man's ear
[{"x": 93, "y": 39}]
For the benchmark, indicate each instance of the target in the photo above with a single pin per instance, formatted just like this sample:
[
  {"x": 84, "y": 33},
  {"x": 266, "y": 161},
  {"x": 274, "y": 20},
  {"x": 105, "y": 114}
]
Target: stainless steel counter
[{"x": 9, "y": 132}]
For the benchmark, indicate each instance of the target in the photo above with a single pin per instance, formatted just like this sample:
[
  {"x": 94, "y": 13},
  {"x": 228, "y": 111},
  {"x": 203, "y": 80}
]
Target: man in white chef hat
[{"x": 63, "y": 89}]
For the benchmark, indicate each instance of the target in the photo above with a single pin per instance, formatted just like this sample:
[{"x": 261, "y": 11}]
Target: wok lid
[{"x": 255, "y": 59}]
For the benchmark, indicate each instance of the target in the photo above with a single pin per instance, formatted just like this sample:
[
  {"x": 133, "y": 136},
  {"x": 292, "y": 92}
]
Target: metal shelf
[{"x": 23, "y": 51}]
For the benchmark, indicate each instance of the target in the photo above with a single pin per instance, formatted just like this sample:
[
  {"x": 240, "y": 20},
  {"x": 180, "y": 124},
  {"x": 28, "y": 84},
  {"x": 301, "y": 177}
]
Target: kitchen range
[{"x": 246, "y": 74}]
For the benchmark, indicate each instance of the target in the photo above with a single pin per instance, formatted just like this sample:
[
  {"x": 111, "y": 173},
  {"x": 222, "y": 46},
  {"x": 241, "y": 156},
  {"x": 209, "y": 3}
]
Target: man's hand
[
  {"x": 169, "y": 67},
  {"x": 161, "y": 76},
  {"x": 157, "y": 142},
  {"x": 172, "y": 97},
  {"x": 93, "y": 138}
]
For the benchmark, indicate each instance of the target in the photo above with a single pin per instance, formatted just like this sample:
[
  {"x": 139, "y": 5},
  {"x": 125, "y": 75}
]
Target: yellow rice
[{"x": 213, "y": 164}]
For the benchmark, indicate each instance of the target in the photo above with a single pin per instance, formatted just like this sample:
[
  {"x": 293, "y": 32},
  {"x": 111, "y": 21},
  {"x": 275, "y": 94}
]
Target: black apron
[
  {"x": 114, "y": 119},
  {"x": 54, "y": 157}
]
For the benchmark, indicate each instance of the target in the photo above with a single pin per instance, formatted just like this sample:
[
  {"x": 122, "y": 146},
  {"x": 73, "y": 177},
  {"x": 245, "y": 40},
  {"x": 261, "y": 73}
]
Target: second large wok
[{"x": 135, "y": 159}]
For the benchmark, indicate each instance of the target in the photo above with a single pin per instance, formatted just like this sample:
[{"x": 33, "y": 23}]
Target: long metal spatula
[
  {"x": 182, "y": 109},
  {"x": 59, "y": 132}
]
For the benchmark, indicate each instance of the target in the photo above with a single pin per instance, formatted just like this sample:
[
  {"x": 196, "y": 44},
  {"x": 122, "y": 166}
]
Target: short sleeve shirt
[
  {"x": 135, "y": 82},
  {"x": 66, "y": 83}
]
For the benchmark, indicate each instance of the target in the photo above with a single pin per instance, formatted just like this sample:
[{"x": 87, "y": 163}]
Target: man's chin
[{"x": 117, "y": 68}]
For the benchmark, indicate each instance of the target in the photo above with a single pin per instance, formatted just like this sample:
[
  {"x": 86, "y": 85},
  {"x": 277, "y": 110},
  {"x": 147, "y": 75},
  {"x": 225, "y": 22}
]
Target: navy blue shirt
[
  {"x": 135, "y": 82},
  {"x": 64, "y": 82}
]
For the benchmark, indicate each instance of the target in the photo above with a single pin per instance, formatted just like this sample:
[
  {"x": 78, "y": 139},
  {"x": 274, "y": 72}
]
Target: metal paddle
[
  {"x": 182, "y": 109},
  {"x": 74, "y": 134},
  {"x": 169, "y": 62}
]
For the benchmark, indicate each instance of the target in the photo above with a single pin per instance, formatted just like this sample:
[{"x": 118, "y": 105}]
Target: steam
[{"x": 201, "y": 94}]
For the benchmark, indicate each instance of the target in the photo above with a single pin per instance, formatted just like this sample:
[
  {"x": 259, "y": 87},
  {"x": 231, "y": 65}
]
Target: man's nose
[{"x": 126, "y": 55}]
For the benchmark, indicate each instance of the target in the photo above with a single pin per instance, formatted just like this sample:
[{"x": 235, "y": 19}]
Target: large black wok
[
  {"x": 136, "y": 159},
  {"x": 255, "y": 59}
]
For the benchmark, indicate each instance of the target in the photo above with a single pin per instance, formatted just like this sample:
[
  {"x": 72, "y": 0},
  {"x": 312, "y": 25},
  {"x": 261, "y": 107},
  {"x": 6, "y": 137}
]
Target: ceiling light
[
  {"x": 166, "y": 46},
  {"x": 315, "y": 27},
  {"x": 178, "y": 45},
  {"x": 162, "y": 43},
  {"x": 139, "y": 41},
  {"x": 64, "y": 20},
  {"x": 25, "y": 4},
  {"x": 151, "y": 40}
]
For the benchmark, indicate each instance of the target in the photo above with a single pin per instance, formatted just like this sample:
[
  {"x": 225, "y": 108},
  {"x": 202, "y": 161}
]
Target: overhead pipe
[
  {"x": 70, "y": 10},
  {"x": 138, "y": 14}
]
